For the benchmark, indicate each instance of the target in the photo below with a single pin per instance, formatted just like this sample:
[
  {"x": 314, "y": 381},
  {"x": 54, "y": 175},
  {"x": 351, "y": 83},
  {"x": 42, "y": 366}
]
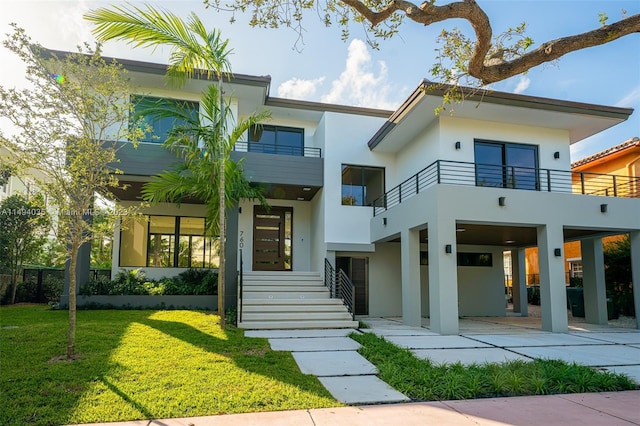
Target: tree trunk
[
  {"x": 71, "y": 334},
  {"x": 223, "y": 236}
]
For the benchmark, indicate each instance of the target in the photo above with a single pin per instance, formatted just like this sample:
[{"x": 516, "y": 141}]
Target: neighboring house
[
  {"x": 416, "y": 209},
  {"x": 622, "y": 160},
  {"x": 24, "y": 185}
]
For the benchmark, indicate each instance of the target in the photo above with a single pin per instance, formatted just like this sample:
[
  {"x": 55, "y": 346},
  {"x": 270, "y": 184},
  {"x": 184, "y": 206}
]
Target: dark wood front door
[{"x": 272, "y": 238}]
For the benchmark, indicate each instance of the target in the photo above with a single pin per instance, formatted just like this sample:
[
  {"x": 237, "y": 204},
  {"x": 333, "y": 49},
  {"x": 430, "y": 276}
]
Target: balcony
[
  {"x": 263, "y": 148},
  {"x": 522, "y": 178},
  {"x": 285, "y": 172}
]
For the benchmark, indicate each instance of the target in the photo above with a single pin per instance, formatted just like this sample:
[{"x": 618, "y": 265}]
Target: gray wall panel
[{"x": 281, "y": 169}]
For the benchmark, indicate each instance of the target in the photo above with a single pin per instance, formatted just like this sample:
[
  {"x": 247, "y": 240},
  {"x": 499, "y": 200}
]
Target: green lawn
[
  {"x": 141, "y": 365},
  {"x": 423, "y": 380}
]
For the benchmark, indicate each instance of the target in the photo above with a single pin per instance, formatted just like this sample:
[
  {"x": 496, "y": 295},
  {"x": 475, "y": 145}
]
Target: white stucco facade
[{"x": 411, "y": 246}]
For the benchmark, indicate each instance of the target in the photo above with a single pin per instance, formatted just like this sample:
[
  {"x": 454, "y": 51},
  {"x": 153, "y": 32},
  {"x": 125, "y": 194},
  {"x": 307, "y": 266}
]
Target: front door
[{"x": 272, "y": 238}]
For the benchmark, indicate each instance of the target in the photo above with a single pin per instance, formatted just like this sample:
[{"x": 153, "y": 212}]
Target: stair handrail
[
  {"x": 347, "y": 292},
  {"x": 240, "y": 285},
  {"x": 330, "y": 278}
]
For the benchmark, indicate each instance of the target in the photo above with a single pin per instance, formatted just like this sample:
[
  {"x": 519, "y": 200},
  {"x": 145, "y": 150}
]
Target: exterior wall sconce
[
  {"x": 447, "y": 249},
  {"x": 502, "y": 201},
  {"x": 458, "y": 146},
  {"x": 603, "y": 208},
  {"x": 557, "y": 252},
  {"x": 384, "y": 221},
  {"x": 556, "y": 155},
  {"x": 239, "y": 210}
]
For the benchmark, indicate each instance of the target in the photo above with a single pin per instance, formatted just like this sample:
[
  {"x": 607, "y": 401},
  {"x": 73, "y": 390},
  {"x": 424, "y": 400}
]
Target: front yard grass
[
  {"x": 423, "y": 380},
  {"x": 141, "y": 365}
]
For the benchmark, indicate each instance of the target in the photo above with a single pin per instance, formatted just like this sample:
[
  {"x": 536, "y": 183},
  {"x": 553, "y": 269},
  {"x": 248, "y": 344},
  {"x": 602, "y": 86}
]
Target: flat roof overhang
[{"x": 581, "y": 120}]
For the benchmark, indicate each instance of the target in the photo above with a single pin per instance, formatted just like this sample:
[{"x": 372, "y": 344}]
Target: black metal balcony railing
[
  {"x": 297, "y": 151},
  {"x": 472, "y": 174}
]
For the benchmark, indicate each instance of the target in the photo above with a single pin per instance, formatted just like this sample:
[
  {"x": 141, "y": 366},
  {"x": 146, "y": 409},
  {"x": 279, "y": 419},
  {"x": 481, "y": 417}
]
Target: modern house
[{"x": 415, "y": 209}]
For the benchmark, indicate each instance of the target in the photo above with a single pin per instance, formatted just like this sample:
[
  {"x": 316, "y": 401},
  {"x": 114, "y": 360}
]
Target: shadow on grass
[
  {"x": 113, "y": 388},
  {"x": 250, "y": 354},
  {"x": 36, "y": 389},
  {"x": 40, "y": 392}
]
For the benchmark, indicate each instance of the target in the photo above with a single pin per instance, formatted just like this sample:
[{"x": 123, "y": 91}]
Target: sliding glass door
[{"x": 506, "y": 165}]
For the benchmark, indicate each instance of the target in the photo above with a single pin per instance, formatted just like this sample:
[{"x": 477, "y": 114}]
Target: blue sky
[{"x": 330, "y": 70}]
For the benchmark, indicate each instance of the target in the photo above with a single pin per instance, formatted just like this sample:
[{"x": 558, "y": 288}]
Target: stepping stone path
[{"x": 332, "y": 356}]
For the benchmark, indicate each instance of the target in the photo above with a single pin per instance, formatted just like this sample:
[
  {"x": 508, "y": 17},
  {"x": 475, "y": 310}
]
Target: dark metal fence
[{"x": 496, "y": 176}]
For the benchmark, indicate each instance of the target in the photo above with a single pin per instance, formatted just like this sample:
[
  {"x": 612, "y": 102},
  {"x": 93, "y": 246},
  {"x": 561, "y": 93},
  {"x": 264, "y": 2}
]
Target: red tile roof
[{"x": 624, "y": 145}]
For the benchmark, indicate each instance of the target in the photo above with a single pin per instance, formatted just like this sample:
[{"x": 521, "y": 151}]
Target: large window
[
  {"x": 361, "y": 185},
  {"x": 276, "y": 140},
  {"x": 161, "y": 126},
  {"x": 506, "y": 165},
  {"x": 167, "y": 241}
]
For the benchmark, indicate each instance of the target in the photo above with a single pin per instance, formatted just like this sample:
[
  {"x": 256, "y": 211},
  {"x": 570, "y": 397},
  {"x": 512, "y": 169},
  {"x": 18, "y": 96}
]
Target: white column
[
  {"x": 410, "y": 264},
  {"x": 519, "y": 282},
  {"x": 635, "y": 272},
  {"x": 443, "y": 277},
  {"x": 595, "y": 295},
  {"x": 553, "y": 293}
]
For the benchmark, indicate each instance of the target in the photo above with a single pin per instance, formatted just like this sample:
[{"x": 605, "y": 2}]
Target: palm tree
[{"x": 204, "y": 142}]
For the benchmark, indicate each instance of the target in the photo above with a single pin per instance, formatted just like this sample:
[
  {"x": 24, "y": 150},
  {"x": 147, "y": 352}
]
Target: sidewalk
[{"x": 602, "y": 409}]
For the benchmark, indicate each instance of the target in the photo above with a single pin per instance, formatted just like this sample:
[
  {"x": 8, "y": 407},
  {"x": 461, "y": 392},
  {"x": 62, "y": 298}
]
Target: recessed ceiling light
[
  {"x": 510, "y": 241},
  {"x": 460, "y": 230},
  {"x": 306, "y": 188},
  {"x": 300, "y": 199}
]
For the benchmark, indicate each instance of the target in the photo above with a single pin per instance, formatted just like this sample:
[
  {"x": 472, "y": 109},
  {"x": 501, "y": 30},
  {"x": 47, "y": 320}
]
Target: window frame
[
  {"x": 504, "y": 166},
  {"x": 153, "y": 137},
  {"x": 174, "y": 248},
  {"x": 253, "y": 146},
  {"x": 362, "y": 179}
]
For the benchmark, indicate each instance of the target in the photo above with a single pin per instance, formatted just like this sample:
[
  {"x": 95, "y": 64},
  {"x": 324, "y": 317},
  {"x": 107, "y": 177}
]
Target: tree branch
[
  {"x": 554, "y": 49},
  {"x": 490, "y": 70}
]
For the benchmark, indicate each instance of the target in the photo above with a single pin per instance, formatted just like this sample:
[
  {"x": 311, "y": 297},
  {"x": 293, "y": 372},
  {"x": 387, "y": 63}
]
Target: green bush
[
  {"x": 617, "y": 260},
  {"x": 196, "y": 282}
]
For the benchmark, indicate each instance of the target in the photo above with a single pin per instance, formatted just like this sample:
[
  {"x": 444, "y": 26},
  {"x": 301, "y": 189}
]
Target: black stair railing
[{"x": 240, "y": 289}]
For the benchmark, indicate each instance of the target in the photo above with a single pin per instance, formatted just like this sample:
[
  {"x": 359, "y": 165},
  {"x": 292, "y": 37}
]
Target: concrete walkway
[
  {"x": 333, "y": 358},
  {"x": 497, "y": 340},
  {"x": 612, "y": 408},
  {"x": 350, "y": 378}
]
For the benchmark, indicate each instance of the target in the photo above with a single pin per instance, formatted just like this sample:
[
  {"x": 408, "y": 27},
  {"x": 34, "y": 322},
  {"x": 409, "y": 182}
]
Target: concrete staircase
[{"x": 290, "y": 300}]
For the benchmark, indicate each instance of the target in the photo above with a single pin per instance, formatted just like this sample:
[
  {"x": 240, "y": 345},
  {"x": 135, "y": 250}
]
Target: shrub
[{"x": 196, "y": 282}]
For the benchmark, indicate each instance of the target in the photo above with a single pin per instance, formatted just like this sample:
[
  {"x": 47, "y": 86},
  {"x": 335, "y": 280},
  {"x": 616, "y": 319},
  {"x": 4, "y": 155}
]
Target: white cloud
[
  {"x": 523, "y": 84},
  {"x": 631, "y": 98},
  {"x": 298, "y": 88},
  {"x": 358, "y": 84}
]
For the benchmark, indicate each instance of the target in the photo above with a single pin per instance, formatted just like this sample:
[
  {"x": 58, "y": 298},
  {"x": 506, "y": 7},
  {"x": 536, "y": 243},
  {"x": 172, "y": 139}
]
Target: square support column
[
  {"x": 595, "y": 295},
  {"x": 519, "y": 282},
  {"x": 443, "y": 277},
  {"x": 410, "y": 264},
  {"x": 553, "y": 292},
  {"x": 635, "y": 272}
]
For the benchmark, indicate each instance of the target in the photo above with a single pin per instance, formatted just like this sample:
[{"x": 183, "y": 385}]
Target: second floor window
[
  {"x": 160, "y": 126},
  {"x": 361, "y": 185},
  {"x": 276, "y": 140},
  {"x": 506, "y": 165}
]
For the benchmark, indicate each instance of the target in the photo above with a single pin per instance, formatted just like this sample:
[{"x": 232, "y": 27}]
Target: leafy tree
[
  {"x": 486, "y": 58},
  {"x": 68, "y": 121},
  {"x": 205, "y": 142},
  {"x": 25, "y": 223},
  {"x": 617, "y": 260}
]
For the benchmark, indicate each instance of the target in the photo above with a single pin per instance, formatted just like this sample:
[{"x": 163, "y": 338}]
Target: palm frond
[{"x": 155, "y": 27}]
